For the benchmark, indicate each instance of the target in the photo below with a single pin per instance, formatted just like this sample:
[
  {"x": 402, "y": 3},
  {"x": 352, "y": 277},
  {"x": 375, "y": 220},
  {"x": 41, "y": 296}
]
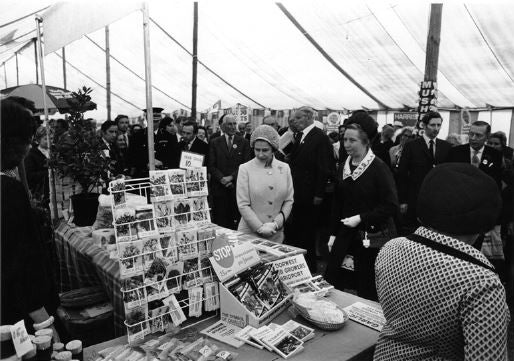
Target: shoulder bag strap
[{"x": 448, "y": 250}]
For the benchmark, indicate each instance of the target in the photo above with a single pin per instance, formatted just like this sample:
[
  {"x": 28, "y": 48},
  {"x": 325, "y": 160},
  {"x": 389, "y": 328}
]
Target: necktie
[
  {"x": 431, "y": 149},
  {"x": 126, "y": 139},
  {"x": 229, "y": 143},
  {"x": 475, "y": 161},
  {"x": 298, "y": 137}
]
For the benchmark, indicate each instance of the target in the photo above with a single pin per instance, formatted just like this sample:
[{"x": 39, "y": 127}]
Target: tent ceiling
[{"x": 254, "y": 55}]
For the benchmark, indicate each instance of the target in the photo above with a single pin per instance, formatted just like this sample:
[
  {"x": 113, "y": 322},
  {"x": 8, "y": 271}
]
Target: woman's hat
[
  {"x": 365, "y": 121},
  {"x": 266, "y": 133},
  {"x": 458, "y": 199}
]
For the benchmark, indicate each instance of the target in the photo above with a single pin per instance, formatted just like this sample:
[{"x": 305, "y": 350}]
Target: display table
[
  {"x": 353, "y": 342},
  {"x": 83, "y": 263}
]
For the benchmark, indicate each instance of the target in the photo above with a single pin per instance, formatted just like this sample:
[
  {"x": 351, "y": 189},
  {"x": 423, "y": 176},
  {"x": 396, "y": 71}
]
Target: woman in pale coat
[{"x": 264, "y": 188}]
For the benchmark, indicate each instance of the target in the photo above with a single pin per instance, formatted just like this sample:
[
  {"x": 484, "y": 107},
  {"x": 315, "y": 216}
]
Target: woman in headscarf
[
  {"x": 264, "y": 188},
  {"x": 365, "y": 201}
]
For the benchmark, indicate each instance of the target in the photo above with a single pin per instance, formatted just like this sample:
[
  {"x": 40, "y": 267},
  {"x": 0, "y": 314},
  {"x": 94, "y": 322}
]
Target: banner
[{"x": 67, "y": 21}]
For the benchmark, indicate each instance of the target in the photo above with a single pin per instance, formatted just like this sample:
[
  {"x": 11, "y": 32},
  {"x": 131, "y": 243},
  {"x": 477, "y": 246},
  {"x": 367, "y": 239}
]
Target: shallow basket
[{"x": 322, "y": 325}]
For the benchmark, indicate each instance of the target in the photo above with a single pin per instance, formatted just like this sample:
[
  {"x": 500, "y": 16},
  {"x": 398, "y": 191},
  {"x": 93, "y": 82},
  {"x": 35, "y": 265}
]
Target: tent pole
[
  {"x": 108, "y": 72},
  {"x": 53, "y": 199},
  {"x": 195, "y": 60},
  {"x": 5, "y": 76},
  {"x": 148, "y": 83},
  {"x": 17, "y": 70},
  {"x": 432, "y": 54},
  {"x": 64, "y": 80},
  {"x": 511, "y": 132},
  {"x": 35, "y": 59}
]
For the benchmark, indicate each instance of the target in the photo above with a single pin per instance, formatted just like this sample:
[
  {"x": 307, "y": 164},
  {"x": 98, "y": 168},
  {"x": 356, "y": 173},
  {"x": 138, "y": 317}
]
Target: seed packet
[
  {"x": 131, "y": 261},
  {"x": 283, "y": 343},
  {"x": 176, "y": 313},
  {"x": 118, "y": 192},
  {"x": 151, "y": 250},
  {"x": 169, "y": 247},
  {"x": 174, "y": 277},
  {"x": 298, "y": 330},
  {"x": 136, "y": 325},
  {"x": 176, "y": 180},
  {"x": 258, "y": 335},
  {"x": 181, "y": 212},
  {"x": 160, "y": 189},
  {"x": 191, "y": 275},
  {"x": 163, "y": 215},
  {"x": 200, "y": 210},
  {"x": 133, "y": 292},
  {"x": 244, "y": 335},
  {"x": 212, "y": 296},
  {"x": 145, "y": 222},
  {"x": 125, "y": 230},
  {"x": 206, "y": 270},
  {"x": 196, "y": 182},
  {"x": 187, "y": 244},
  {"x": 205, "y": 238},
  {"x": 249, "y": 298},
  {"x": 262, "y": 279},
  {"x": 321, "y": 283},
  {"x": 156, "y": 322},
  {"x": 305, "y": 287},
  {"x": 155, "y": 280},
  {"x": 195, "y": 301}
]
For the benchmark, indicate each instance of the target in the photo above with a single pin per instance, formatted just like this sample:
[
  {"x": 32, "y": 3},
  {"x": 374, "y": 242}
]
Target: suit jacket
[
  {"x": 223, "y": 162},
  {"x": 415, "y": 163},
  {"x": 311, "y": 165},
  {"x": 199, "y": 147},
  {"x": 490, "y": 163},
  {"x": 262, "y": 193}
]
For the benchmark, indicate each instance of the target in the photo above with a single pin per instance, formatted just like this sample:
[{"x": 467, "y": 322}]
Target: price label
[
  {"x": 191, "y": 160},
  {"x": 21, "y": 339}
]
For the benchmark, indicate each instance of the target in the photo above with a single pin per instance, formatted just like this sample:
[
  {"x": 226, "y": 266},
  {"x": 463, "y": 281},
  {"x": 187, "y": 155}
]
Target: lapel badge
[{"x": 234, "y": 146}]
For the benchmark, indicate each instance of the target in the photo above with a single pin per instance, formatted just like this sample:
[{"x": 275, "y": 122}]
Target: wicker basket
[{"x": 322, "y": 325}]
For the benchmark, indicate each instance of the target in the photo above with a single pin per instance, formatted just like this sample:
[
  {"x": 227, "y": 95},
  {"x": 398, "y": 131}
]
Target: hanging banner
[
  {"x": 408, "y": 119},
  {"x": 427, "y": 99}
]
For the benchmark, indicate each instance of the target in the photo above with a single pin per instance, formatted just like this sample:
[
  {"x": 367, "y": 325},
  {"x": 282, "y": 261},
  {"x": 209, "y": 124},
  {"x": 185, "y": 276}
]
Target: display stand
[{"x": 164, "y": 240}]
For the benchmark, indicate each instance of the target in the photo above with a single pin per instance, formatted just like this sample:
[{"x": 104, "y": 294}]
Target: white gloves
[
  {"x": 267, "y": 229},
  {"x": 352, "y": 222},
  {"x": 330, "y": 243}
]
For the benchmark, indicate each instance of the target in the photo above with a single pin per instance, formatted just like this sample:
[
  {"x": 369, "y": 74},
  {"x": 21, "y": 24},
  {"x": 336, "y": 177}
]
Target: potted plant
[{"x": 77, "y": 154}]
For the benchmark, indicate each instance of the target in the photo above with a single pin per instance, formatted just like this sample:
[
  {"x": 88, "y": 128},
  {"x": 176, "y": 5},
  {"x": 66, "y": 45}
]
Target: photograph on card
[
  {"x": 123, "y": 222},
  {"x": 181, "y": 212},
  {"x": 187, "y": 243},
  {"x": 133, "y": 292},
  {"x": 151, "y": 250},
  {"x": 118, "y": 193},
  {"x": 176, "y": 312},
  {"x": 174, "y": 277},
  {"x": 196, "y": 182},
  {"x": 131, "y": 260},
  {"x": 191, "y": 274},
  {"x": 169, "y": 247},
  {"x": 145, "y": 222},
  {"x": 249, "y": 298},
  {"x": 200, "y": 210},
  {"x": 284, "y": 343},
  {"x": 155, "y": 280},
  {"x": 298, "y": 330},
  {"x": 266, "y": 286},
  {"x": 176, "y": 180},
  {"x": 206, "y": 271},
  {"x": 163, "y": 215},
  {"x": 160, "y": 189}
]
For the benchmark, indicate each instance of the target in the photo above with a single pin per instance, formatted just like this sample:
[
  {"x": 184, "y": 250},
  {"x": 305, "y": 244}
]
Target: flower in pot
[{"x": 77, "y": 154}]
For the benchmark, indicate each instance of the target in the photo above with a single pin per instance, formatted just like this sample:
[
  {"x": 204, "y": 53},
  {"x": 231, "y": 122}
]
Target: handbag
[{"x": 377, "y": 238}]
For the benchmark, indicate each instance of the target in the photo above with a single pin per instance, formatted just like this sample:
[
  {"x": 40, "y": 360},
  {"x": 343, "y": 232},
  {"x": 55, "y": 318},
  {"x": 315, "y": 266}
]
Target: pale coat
[{"x": 262, "y": 193}]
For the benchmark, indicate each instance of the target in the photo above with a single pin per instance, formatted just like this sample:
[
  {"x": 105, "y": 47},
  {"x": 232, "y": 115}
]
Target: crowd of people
[{"x": 339, "y": 196}]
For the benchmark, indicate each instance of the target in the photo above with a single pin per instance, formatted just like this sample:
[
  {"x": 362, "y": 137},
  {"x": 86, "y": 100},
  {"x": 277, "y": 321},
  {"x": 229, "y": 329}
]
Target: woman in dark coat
[
  {"x": 26, "y": 285},
  {"x": 365, "y": 200}
]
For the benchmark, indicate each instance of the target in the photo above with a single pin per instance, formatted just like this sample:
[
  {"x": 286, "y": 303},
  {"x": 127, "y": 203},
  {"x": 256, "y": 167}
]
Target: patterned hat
[
  {"x": 458, "y": 199},
  {"x": 266, "y": 133}
]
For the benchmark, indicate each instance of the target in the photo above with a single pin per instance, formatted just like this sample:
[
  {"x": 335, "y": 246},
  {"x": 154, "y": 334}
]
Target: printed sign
[
  {"x": 427, "y": 98},
  {"x": 20, "y": 339},
  {"x": 333, "y": 121},
  {"x": 191, "y": 160},
  {"x": 367, "y": 315},
  {"x": 293, "y": 270},
  {"x": 408, "y": 119},
  {"x": 227, "y": 262}
]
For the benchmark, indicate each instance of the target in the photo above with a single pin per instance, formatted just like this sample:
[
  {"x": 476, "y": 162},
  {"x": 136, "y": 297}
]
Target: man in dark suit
[
  {"x": 418, "y": 158},
  {"x": 482, "y": 156},
  {"x": 190, "y": 143},
  {"x": 310, "y": 157},
  {"x": 219, "y": 132},
  {"x": 226, "y": 153}
]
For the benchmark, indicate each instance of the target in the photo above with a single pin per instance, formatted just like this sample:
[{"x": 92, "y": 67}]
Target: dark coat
[
  {"x": 311, "y": 163},
  {"x": 414, "y": 165},
  {"x": 198, "y": 147},
  {"x": 491, "y": 162},
  {"x": 223, "y": 162},
  {"x": 36, "y": 169}
]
